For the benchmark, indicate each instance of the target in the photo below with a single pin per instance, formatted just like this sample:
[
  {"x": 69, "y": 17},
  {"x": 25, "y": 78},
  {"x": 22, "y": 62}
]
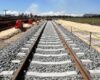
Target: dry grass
[
  {"x": 83, "y": 32},
  {"x": 81, "y": 26},
  {"x": 91, "y": 20}
]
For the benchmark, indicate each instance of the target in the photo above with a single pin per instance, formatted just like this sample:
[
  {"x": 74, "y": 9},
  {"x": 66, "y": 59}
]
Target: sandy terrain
[
  {"x": 81, "y": 26},
  {"x": 10, "y": 35},
  {"x": 25, "y": 25},
  {"x": 83, "y": 32},
  {"x": 4, "y": 43},
  {"x": 12, "y": 31}
]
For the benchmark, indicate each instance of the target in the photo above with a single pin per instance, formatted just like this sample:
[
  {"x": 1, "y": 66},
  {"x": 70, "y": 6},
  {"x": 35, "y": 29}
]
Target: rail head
[
  {"x": 84, "y": 72},
  {"x": 18, "y": 75}
]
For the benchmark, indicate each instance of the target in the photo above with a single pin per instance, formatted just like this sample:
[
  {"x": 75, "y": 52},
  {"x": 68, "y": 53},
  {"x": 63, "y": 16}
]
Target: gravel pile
[
  {"x": 54, "y": 78},
  {"x": 6, "y": 60},
  {"x": 13, "y": 66},
  {"x": 9, "y": 53},
  {"x": 50, "y": 47},
  {"x": 51, "y": 52},
  {"x": 51, "y": 58},
  {"x": 47, "y": 64},
  {"x": 19, "y": 57},
  {"x": 44, "y": 43},
  {"x": 91, "y": 53},
  {"x": 89, "y": 66},
  {"x": 95, "y": 77},
  {"x": 52, "y": 67},
  {"x": 5, "y": 78},
  {"x": 50, "y": 37}
]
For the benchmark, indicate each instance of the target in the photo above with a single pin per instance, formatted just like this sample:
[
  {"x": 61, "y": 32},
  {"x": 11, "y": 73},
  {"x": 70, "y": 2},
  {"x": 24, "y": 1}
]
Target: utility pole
[{"x": 5, "y": 11}]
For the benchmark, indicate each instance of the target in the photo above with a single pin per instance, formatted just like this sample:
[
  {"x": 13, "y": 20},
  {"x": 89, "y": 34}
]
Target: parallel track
[
  {"x": 85, "y": 73},
  {"x": 48, "y": 48},
  {"x": 19, "y": 75}
]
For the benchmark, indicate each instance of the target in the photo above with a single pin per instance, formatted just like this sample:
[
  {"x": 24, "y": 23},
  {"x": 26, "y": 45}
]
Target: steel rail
[
  {"x": 78, "y": 64},
  {"x": 22, "y": 69}
]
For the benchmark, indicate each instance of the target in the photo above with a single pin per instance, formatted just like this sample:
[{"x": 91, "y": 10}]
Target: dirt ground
[
  {"x": 11, "y": 35},
  {"x": 83, "y": 32},
  {"x": 4, "y": 43},
  {"x": 81, "y": 26}
]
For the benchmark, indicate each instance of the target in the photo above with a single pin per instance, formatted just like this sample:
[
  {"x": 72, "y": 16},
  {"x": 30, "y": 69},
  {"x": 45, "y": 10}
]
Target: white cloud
[
  {"x": 75, "y": 15},
  {"x": 53, "y": 13},
  {"x": 33, "y": 8},
  {"x": 12, "y": 12}
]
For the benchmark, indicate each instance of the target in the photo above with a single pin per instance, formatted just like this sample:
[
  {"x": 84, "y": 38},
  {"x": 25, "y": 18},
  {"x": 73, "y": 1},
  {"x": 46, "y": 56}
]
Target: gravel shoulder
[{"x": 4, "y": 43}]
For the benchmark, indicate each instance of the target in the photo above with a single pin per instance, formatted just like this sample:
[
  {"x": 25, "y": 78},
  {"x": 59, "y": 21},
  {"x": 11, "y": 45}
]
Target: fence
[{"x": 91, "y": 38}]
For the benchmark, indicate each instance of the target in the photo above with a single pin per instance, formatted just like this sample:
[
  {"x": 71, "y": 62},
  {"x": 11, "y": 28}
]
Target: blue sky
[{"x": 51, "y": 6}]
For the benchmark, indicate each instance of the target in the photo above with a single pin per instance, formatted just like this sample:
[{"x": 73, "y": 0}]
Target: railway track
[{"x": 50, "y": 55}]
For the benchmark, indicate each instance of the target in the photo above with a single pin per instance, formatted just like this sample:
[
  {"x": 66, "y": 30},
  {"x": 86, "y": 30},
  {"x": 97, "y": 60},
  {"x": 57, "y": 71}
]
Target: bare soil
[{"x": 82, "y": 31}]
